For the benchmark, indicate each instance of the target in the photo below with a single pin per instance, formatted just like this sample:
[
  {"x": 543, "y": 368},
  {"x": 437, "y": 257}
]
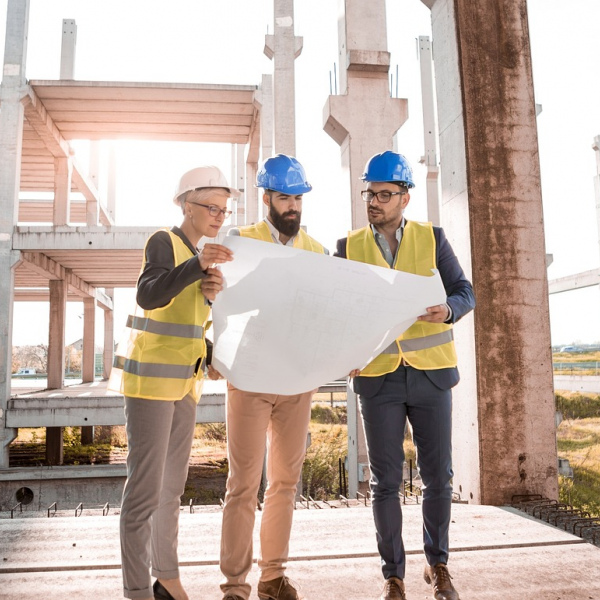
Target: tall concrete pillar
[
  {"x": 504, "y": 433},
  {"x": 11, "y": 126},
  {"x": 109, "y": 336},
  {"x": 63, "y": 170},
  {"x": 283, "y": 47},
  {"x": 251, "y": 194},
  {"x": 88, "y": 361},
  {"x": 56, "y": 362},
  {"x": 363, "y": 119},
  {"x": 596, "y": 148},
  {"x": 430, "y": 132},
  {"x": 67, "y": 53}
]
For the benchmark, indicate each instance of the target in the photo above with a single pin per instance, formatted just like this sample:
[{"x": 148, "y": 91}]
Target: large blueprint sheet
[{"x": 290, "y": 320}]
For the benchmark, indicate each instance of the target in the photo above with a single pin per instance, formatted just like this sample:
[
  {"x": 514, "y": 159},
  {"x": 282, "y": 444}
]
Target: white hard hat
[{"x": 203, "y": 177}]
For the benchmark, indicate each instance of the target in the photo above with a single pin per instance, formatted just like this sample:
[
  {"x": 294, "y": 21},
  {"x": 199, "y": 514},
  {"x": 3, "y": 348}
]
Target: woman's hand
[
  {"x": 212, "y": 284},
  {"x": 213, "y": 373},
  {"x": 214, "y": 254},
  {"x": 354, "y": 373}
]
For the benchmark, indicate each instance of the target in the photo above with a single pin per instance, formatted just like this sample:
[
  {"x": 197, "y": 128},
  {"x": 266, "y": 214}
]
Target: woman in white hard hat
[{"x": 161, "y": 371}]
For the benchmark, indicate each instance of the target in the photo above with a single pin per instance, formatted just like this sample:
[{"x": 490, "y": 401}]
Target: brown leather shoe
[
  {"x": 393, "y": 589},
  {"x": 278, "y": 589},
  {"x": 439, "y": 578}
]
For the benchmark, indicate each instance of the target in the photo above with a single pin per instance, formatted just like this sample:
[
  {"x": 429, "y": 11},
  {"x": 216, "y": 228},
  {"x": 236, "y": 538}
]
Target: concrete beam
[
  {"x": 86, "y": 411},
  {"x": 574, "y": 282},
  {"x": 40, "y": 263},
  {"x": 80, "y": 238}
]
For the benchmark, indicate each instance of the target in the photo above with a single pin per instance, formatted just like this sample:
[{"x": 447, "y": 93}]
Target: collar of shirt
[
  {"x": 275, "y": 234},
  {"x": 383, "y": 245}
]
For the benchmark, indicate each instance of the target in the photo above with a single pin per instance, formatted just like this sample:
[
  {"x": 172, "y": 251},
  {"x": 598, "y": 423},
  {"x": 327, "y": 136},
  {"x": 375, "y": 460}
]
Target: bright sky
[{"x": 222, "y": 42}]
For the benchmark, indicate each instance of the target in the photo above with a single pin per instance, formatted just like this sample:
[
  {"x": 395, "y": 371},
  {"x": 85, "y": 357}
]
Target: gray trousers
[
  {"x": 159, "y": 438},
  {"x": 408, "y": 393}
]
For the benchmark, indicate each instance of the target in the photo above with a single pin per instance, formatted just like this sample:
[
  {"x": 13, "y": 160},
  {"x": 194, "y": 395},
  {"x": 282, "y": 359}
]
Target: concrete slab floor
[{"x": 497, "y": 554}]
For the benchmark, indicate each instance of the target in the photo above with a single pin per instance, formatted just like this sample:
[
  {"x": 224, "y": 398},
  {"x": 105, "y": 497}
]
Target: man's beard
[
  {"x": 283, "y": 224},
  {"x": 379, "y": 218}
]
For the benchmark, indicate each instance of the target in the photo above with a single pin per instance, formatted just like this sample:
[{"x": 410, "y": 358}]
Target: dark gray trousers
[{"x": 408, "y": 393}]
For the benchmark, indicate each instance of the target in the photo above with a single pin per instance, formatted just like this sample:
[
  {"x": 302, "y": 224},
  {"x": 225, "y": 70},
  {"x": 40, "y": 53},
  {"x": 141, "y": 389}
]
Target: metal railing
[{"x": 576, "y": 368}]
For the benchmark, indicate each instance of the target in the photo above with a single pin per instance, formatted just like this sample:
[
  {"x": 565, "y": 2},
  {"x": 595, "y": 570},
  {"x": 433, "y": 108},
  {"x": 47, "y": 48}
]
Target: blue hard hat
[
  {"x": 284, "y": 174},
  {"x": 389, "y": 166}
]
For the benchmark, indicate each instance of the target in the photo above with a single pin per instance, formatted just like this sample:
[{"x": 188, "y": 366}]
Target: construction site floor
[{"x": 497, "y": 553}]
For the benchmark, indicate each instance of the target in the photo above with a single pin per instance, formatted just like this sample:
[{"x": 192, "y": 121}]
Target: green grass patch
[
  {"x": 575, "y": 405},
  {"x": 579, "y": 442}
]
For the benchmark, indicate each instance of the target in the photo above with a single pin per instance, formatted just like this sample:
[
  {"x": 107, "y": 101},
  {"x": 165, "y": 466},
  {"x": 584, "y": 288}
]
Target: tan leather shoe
[
  {"x": 439, "y": 578},
  {"x": 393, "y": 589},
  {"x": 278, "y": 589}
]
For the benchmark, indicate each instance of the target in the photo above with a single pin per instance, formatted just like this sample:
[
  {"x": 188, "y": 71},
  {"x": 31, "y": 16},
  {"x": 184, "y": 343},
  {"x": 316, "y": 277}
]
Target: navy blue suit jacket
[{"x": 460, "y": 298}]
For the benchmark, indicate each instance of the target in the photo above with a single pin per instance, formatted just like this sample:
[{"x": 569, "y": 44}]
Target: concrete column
[
  {"x": 92, "y": 209},
  {"x": 504, "y": 440},
  {"x": 238, "y": 181},
  {"x": 266, "y": 116},
  {"x": 358, "y": 461},
  {"x": 251, "y": 194},
  {"x": 89, "y": 358},
  {"x": 56, "y": 362},
  {"x": 89, "y": 323},
  {"x": 109, "y": 336},
  {"x": 265, "y": 97},
  {"x": 111, "y": 191},
  {"x": 596, "y": 148},
  {"x": 67, "y": 54},
  {"x": 430, "y": 133},
  {"x": 283, "y": 48},
  {"x": 363, "y": 119},
  {"x": 63, "y": 170},
  {"x": 13, "y": 88}
]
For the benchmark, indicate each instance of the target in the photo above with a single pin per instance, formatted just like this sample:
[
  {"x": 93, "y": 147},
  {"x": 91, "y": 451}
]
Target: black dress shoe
[{"x": 160, "y": 592}]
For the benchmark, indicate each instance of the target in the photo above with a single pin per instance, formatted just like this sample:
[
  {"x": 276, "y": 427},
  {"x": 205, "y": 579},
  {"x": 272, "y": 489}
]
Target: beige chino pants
[
  {"x": 159, "y": 438},
  {"x": 253, "y": 418}
]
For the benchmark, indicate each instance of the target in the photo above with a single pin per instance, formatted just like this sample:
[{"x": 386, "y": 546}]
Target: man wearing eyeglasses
[
  {"x": 253, "y": 418},
  {"x": 412, "y": 378}
]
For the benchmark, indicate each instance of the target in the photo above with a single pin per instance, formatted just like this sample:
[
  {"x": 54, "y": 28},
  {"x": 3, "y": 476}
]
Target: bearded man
[{"x": 253, "y": 418}]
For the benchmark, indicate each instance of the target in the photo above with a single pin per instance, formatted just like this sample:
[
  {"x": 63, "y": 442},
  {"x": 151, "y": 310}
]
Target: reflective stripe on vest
[
  {"x": 164, "y": 354},
  {"x": 423, "y": 345},
  {"x": 160, "y": 328},
  {"x": 261, "y": 231},
  {"x": 155, "y": 369}
]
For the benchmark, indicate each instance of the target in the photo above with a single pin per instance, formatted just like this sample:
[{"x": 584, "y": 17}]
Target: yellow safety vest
[
  {"x": 424, "y": 345},
  {"x": 261, "y": 231},
  {"x": 164, "y": 353}
]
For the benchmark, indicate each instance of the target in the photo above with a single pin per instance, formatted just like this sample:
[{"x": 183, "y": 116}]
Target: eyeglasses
[
  {"x": 213, "y": 210},
  {"x": 383, "y": 197}
]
